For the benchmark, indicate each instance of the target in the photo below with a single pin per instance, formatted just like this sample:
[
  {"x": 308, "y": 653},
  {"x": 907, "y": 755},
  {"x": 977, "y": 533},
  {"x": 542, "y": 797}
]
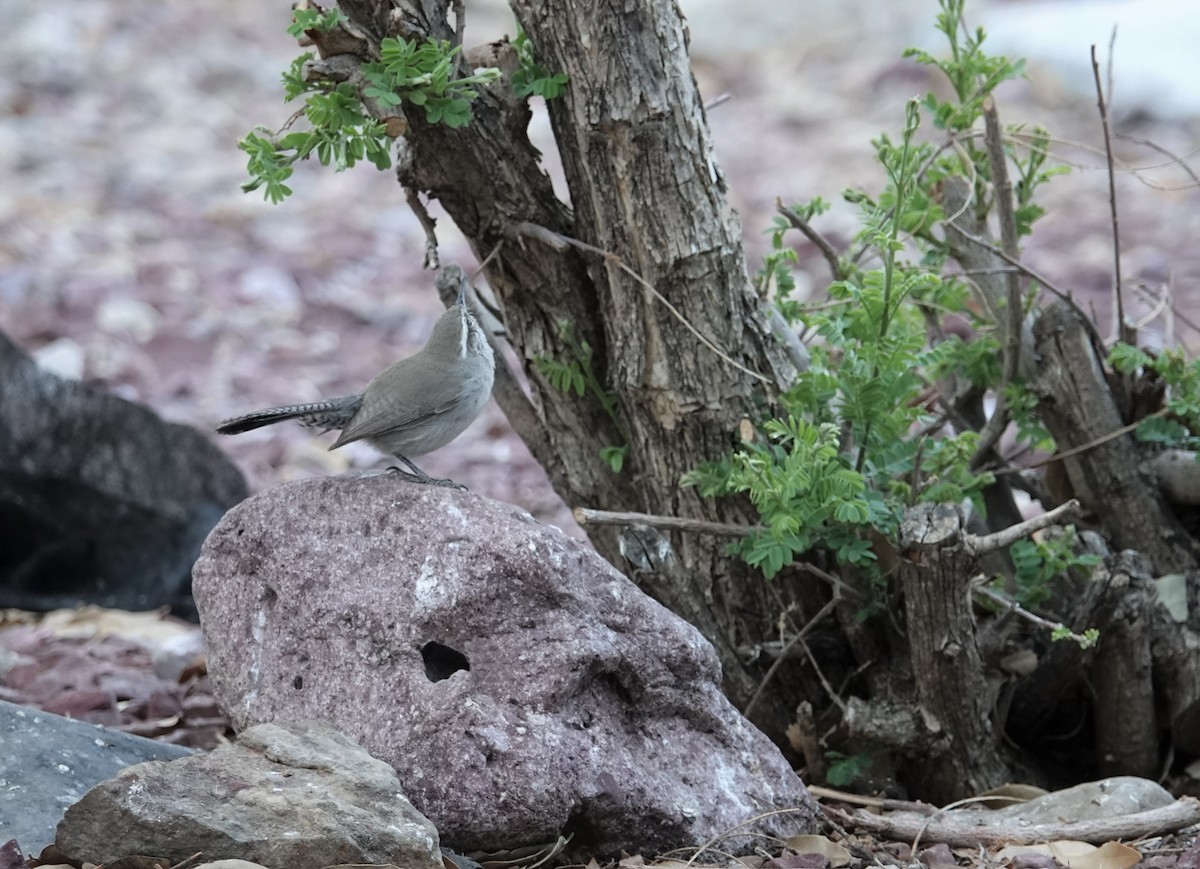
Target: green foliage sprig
[
  {"x": 859, "y": 437},
  {"x": 422, "y": 74},
  {"x": 531, "y": 78},
  {"x": 577, "y": 375},
  {"x": 1177, "y": 425},
  {"x": 845, "y": 768},
  {"x": 1039, "y": 562},
  {"x": 341, "y": 135},
  {"x": 322, "y": 20},
  {"x": 342, "y": 131}
]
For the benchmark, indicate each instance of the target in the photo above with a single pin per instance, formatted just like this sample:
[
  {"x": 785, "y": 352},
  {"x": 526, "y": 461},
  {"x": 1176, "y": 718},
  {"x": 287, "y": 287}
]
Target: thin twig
[
  {"x": 1175, "y": 161},
  {"x": 822, "y": 243},
  {"x": 1014, "y": 607},
  {"x": 1120, "y": 165},
  {"x": 287, "y": 125},
  {"x": 1010, "y": 535},
  {"x": 888, "y": 805},
  {"x": 588, "y": 516},
  {"x": 460, "y": 23},
  {"x": 778, "y": 662},
  {"x": 1002, "y": 196},
  {"x": 558, "y": 241},
  {"x": 1112, "y": 198},
  {"x": 187, "y": 862},
  {"x": 491, "y": 308},
  {"x": 833, "y": 695},
  {"x": 1090, "y": 445},
  {"x": 968, "y": 833},
  {"x": 487, "y": 259},
  {"x": 719, "y": 99},
  {"x": 1041, "y": 279},
  {"x": 428, "y": 224},
  {"x": 825, "y": 576}
]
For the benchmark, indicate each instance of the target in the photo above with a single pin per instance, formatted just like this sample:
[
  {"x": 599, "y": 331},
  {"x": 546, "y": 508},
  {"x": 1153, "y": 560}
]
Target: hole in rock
[{"x": 442, "y": 662}]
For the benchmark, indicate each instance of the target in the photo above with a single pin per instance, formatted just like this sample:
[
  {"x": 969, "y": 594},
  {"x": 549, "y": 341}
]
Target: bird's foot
[{"x": 416, "y": 475}]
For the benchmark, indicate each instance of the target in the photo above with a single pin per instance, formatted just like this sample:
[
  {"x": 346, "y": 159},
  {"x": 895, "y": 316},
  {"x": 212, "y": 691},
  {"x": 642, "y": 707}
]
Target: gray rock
[
  {"x": 287, "y": 796},
  {"x": 101, "y": 500},
  {"x": 520, "y": 685},
  {"x": 48, "y": 762},
  {"x": 1107, "y": 798}
]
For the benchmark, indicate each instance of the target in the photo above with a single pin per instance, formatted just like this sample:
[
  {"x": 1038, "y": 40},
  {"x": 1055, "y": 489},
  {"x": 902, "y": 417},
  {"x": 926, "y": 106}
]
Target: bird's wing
[{"x": 382, "y": 412}]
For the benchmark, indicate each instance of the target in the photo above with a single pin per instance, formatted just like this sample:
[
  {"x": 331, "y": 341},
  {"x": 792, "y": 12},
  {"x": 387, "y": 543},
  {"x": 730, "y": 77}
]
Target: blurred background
[{"x": 130, "y": 258}]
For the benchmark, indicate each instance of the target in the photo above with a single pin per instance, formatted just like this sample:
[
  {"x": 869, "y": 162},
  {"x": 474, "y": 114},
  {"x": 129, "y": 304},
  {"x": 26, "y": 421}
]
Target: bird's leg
[{"x": 418, "y": 476}]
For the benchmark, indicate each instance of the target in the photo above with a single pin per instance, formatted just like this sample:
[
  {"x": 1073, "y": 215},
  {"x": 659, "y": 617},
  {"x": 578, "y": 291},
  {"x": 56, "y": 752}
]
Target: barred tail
[{"x": 325, "y": 415}]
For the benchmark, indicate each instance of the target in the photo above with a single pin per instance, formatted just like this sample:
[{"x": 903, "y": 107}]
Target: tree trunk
[
  {"x": 1078, "y": 409},
  {"x": 644, "y": 186},
  {"x": 966, "y": 755},
  {"x": 644, "y": 268}
]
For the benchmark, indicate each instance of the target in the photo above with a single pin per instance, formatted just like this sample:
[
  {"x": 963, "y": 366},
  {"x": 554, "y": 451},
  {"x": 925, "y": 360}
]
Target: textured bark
[
  {"x": 968, "y": 756},
  {"x": 644, "y": 185},
  {"x": 647, "y": 208},
  {"x": 1057, "y": 689},
  {"x": 1126, "y": 725},
  {"x": 1175, "y": 651},
  {"x": 1078, "y": 408}
]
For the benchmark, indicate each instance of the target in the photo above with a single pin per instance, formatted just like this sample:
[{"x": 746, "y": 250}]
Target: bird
[{"x": 414, "y": 407}]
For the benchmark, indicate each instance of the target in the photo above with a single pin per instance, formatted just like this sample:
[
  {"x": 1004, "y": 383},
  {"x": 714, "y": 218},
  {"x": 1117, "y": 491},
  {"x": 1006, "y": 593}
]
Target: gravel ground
[{"x": 129, "y": 257}]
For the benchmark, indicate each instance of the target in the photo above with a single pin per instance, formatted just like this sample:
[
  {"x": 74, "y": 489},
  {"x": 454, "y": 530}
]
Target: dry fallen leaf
[
  {"x": 838, "y": 856},
  {"x": 1079, "y": 855}
]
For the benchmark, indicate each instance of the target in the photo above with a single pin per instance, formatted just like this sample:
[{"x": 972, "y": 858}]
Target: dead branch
[
  {"x": 1182, "y": 813},
  {"x": 822, "y": 243},
  {"x": 798, "y": 638},
  {"x": 1007, "y": 537},
  {"x": 558, "y": 240},
  {"x": 1002, "y": 195},
  {"x": 428, "y": 225},
  {"x": 588, "y": 516},
  {"x": 1118, "y": 299}
]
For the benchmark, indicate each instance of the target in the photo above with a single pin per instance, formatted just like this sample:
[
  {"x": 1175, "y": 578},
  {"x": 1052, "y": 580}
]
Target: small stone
[
  {"x": 125, "y": 316},
  {"x": 297, "y": 796}
]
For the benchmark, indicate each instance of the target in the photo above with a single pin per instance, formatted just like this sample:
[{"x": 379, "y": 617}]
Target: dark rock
[
  {"x": 798, "y": 861},
  {"x": 1165, "y": 861},
  {"x": 287, "y": 796},
  {"x": 100, "y": 500},
  {"x": 1106, "y": 798},
  {"x": 520, "y": 685},
  {"x": 11, "y": 856},
  {"x": 1033, "y": 860},
  {"x": 48, "y": 762},
  {"x": 937, "y": 856},
  {"x": 1190, "y": 859}
]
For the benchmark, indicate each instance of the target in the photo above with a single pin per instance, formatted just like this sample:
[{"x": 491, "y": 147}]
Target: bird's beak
[{"x": 462, "y": 292}]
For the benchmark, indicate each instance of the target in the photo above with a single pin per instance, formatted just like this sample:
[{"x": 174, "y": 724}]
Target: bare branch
[
  {"x": 1014, "y": 607},
  {"x": 588, "y": 516},
  {"x": 822, "y": 243},
  {"x": 1042, "y": 280},
  {"x": 1119, "y": 302},
  {"x": 719, "y": 99},
  {"x": 558, "y": 241},
  {"x": 967, "y": 834},
  {"x": 1010, "y": 535},
  {"x": 1002, "y": 194},
  {"x": 797, "y": 639},
  {"x": 428, "y": 224}
]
